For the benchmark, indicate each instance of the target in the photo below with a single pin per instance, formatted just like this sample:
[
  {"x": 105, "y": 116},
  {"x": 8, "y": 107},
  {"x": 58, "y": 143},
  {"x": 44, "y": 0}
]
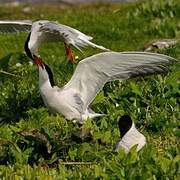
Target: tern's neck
[
  {"x": 46, "y": 77},
  {"x": 133, "y": 132},
  {"x": 44, "y": 82}
]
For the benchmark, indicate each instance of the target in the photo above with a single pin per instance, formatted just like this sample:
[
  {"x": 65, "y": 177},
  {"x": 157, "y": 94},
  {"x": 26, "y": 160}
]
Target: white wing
[
  {"x": 93, "y": 72},
  {"x": 15, "y": 26},
  {"x": 68, "y": 35}
]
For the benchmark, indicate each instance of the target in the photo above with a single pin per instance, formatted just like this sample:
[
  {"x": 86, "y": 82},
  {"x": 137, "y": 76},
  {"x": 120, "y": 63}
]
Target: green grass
[{"x": 35, "y": 144}]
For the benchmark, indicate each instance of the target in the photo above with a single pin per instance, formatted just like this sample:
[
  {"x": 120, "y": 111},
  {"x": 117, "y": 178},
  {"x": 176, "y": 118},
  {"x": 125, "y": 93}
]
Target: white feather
[{"x": 131, "y": 138}]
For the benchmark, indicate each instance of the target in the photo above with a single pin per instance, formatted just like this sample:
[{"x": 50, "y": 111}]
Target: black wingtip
[{"x": 124, "y": 123}]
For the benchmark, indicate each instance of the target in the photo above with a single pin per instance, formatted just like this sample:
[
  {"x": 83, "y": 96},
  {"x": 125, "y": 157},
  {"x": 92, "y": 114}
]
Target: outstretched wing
[
  {"x": 68, "y": 35},
  {"x": 15, "y": 26},
  {"x": 93, "y": 72}
]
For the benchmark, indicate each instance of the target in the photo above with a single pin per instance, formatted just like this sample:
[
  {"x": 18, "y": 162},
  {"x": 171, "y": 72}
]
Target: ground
[{"x": 34, "y": 144}]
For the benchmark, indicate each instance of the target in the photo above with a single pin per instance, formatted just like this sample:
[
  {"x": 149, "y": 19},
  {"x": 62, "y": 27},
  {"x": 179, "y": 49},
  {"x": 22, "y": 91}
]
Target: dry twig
[{"x": 7, "y": 73}]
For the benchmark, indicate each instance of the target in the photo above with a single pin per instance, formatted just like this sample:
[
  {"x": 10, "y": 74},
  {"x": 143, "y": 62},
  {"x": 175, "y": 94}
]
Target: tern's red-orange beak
[{"x": 38, "y": 61}]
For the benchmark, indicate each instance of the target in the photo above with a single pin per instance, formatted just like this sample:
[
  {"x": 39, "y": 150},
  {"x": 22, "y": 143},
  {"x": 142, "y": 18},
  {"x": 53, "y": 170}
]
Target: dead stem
[
  {"x": 7, "y": 73},
  {"x": 76, "y": 163}
]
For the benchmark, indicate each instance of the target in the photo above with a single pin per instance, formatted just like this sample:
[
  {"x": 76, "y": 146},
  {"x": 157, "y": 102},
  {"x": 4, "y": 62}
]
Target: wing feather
[
  {"x": 7, "y": 26},
  {"x": 69, "y": 35},
  {"x": 93, "y": 72}
]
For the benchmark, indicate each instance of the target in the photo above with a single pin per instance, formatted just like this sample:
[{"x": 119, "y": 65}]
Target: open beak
[{"x": 38, "y": 61}]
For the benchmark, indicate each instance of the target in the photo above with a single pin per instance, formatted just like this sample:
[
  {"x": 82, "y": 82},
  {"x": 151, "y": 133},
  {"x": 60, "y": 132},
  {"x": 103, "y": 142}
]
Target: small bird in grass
[
  {"x": 47, "y": 31},
  {"x": 74, "y": 99},
  {"x": 130, "y": 136}
]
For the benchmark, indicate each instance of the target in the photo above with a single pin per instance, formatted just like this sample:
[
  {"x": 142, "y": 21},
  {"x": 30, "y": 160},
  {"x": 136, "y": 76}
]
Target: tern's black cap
[{"x": 124, "y": 123}]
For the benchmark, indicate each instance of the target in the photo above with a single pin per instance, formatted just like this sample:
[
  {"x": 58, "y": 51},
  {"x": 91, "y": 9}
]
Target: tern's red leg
[{"x": 69, "y": 53}]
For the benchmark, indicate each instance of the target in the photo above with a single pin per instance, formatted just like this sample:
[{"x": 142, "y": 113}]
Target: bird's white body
[
  {"x": 74, "y": 99},
  {"x": 58, "y": 100},
  {"x": 131, "y": 138},
  {"x": 65, "y": 101}
]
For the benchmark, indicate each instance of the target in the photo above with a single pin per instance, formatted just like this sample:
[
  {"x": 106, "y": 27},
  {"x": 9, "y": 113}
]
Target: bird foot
[{"x": 69, "y": 53}]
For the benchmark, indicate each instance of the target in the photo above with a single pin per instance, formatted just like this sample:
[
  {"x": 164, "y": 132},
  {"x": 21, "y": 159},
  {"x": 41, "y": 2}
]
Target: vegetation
[{"x": 35, "y": 144}]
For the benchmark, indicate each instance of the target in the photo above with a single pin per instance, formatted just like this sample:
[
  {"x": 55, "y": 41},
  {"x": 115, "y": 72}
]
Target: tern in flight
[
  {"x": 129, "y": 134},
  {"x": 74, "y": 99},
  {"x": 47, "y": 31}
]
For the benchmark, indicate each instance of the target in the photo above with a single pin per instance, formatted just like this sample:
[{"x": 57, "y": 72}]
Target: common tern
[
  {"x": 47, "y": 31},
  {"x": 129, "y": 134},
  {"x": 74, "y": 99}
]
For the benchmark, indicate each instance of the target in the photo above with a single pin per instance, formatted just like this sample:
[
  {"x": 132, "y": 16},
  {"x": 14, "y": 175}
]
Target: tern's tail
[
  {"x": 91, "y": 116},
  {"x": 89, "y": 113}
]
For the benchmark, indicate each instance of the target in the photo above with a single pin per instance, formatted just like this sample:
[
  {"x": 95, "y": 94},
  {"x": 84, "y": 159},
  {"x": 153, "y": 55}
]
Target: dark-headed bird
[{"x": 130, "y": 136}]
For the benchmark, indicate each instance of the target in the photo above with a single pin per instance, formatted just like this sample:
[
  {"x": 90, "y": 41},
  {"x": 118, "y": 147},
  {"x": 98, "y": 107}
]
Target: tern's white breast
[
  {"x": 61, "y": 101},
  {"x": 131, "y": 138}
]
